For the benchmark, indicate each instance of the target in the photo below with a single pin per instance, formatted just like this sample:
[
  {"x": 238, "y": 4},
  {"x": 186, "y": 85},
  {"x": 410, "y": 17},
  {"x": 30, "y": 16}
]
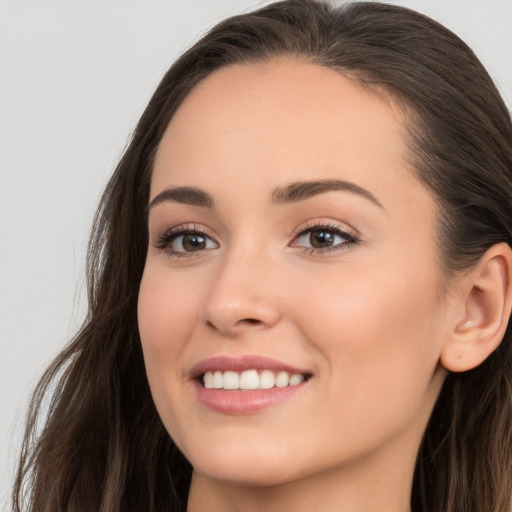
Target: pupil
[
  {"x": 194, "y": 242},
  {"x": 321, "y": 238}
]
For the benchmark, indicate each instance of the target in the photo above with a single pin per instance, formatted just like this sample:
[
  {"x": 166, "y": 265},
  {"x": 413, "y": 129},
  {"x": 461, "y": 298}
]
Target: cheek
[
  {"x": 378, "y": 333},
  {"x": 166, "y": 317},
  {"x": 167, "y": 314},
  {"x": 368, "y": 310}
]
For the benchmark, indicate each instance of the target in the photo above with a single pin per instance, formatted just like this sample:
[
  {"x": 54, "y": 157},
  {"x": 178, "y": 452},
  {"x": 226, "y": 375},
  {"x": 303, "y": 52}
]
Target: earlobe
[{"x": 486, "y": 297}]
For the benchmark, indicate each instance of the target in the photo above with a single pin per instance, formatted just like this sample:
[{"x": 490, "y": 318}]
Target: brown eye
[
  {"x": 185, "y": 243},
  {"x": 320, "y": 238},
  {"x": 324, "y": 238},
  {"x": 193, "y": 242}
]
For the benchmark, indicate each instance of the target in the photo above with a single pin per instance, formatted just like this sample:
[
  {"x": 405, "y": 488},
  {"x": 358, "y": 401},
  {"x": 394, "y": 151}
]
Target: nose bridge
[{"x": 241, "y": 293}]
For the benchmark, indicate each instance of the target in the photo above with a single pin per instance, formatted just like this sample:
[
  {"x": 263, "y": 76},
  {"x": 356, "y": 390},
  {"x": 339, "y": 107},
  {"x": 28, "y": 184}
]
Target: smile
[
  {"x": 251, "y": 379},
  {"x": 246, "y": 384}
]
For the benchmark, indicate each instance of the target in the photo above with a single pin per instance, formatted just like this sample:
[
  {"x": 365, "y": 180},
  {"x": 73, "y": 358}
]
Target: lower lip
[{"x": 244, "y": 402}]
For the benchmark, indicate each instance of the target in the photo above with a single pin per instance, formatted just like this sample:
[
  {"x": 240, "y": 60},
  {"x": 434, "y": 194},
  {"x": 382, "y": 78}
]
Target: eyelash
[
  {"x": 350, "y": 238},
  {"x": 165, "y": 240}
]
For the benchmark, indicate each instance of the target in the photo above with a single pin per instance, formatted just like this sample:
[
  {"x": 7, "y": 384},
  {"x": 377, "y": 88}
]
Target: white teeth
[
  {"x": 208, "y": 380},
  {"x": 282, "y": 379},
  {"x": 231, "y": 380},
  {"x": 296, "y": 379},
  {"x": 267, "y": 380},
  {"x": 218, "y": 381},
  {"x": 250, "y": 379}
]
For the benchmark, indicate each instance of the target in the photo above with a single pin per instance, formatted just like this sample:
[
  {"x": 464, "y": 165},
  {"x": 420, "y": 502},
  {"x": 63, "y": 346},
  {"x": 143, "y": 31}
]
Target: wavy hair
[{"x": 100, "y": 445}]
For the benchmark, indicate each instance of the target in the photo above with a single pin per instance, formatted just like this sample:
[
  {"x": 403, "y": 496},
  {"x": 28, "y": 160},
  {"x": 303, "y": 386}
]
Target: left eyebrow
[
  {"x": 302, "y": 190},
  {"x": 183, "y": 195}
]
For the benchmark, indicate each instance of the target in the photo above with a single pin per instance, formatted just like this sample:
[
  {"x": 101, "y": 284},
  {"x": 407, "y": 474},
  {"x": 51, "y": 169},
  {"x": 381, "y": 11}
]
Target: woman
[{"x": 299, "y": 282}]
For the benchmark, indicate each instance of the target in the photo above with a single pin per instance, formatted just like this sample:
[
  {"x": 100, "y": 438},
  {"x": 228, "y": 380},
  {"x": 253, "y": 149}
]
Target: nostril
[
  {"x": 228, "y": 325},
  {"x": 250, "y": 321},
  {"x": 211, "y": 325}
]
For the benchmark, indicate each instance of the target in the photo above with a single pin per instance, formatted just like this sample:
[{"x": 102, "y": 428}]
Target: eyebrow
[
  {"x": 291, "y": 193},
  {"x": 306, "y": 189},
  {"x": 184, "y": 195}
]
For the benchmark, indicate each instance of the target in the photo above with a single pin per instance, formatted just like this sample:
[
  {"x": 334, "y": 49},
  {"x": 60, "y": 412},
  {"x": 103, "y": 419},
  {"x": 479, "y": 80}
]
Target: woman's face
[{"x": 290, "y": 242}]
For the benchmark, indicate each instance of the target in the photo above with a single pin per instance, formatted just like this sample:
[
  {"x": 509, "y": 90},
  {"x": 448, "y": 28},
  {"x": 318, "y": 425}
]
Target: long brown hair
[{"x": 102, "y": 447}]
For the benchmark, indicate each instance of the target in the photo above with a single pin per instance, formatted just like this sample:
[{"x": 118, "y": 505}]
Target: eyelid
[
  {"x": 165, "y": 237},
  {"x": 327, "y": 224}
]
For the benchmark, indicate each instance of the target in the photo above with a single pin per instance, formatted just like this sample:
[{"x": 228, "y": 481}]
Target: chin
[
  {"x": 248, "y": 474},
  {"x": 259, "y": 464}
]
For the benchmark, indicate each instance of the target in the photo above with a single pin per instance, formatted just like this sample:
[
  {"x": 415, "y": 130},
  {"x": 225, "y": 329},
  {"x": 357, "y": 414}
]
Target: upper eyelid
[
  {"x": 326, "y": 224},
  {"x": 187, "y": 227}
]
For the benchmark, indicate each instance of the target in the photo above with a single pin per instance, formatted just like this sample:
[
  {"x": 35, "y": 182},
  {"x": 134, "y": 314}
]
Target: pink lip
[
  {"x": 242, "y": 402},
  {"x": 239, "y": 364}
]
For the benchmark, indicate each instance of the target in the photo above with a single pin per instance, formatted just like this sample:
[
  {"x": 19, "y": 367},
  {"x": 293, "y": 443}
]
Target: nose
[{"x": 242, "y": 296}]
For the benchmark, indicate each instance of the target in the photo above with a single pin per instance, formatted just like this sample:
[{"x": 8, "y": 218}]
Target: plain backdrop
[{"x": 75, "y": 76}]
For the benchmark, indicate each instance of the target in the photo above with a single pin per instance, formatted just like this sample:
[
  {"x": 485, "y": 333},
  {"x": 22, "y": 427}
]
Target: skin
[{"x": 369, "y": 320}]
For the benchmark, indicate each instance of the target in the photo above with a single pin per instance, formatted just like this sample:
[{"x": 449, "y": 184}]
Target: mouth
[
  {"x": 247, "y": 384},
  {"x": 251, "y": 379}
]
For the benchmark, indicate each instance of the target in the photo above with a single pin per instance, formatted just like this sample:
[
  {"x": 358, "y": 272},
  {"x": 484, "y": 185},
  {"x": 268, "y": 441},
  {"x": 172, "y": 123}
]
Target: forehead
[{"x": 257, "y": 125}]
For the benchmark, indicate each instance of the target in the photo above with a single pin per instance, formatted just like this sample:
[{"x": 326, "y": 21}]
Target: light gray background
[{"x": 74, "y": 78}]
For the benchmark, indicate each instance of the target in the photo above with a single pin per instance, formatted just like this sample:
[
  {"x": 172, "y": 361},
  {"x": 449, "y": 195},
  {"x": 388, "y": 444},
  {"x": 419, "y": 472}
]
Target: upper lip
[{"x": 240, "y": 364}]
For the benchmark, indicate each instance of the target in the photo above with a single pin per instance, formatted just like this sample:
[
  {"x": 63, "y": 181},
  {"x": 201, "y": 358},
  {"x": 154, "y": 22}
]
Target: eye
[
  {"x": 323, "y": 238},
  {"x": 192, "y": 242},
  {"x": 184, "y": 242}
]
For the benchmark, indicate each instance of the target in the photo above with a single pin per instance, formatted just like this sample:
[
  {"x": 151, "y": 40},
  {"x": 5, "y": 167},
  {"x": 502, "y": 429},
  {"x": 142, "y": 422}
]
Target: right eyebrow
[
  {"x": 302, "y": 190},
  {"x": 183, "y": 195}
]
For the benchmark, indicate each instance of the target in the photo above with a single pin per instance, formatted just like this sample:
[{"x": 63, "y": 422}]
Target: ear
[{"x": 485, "y": 300}]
